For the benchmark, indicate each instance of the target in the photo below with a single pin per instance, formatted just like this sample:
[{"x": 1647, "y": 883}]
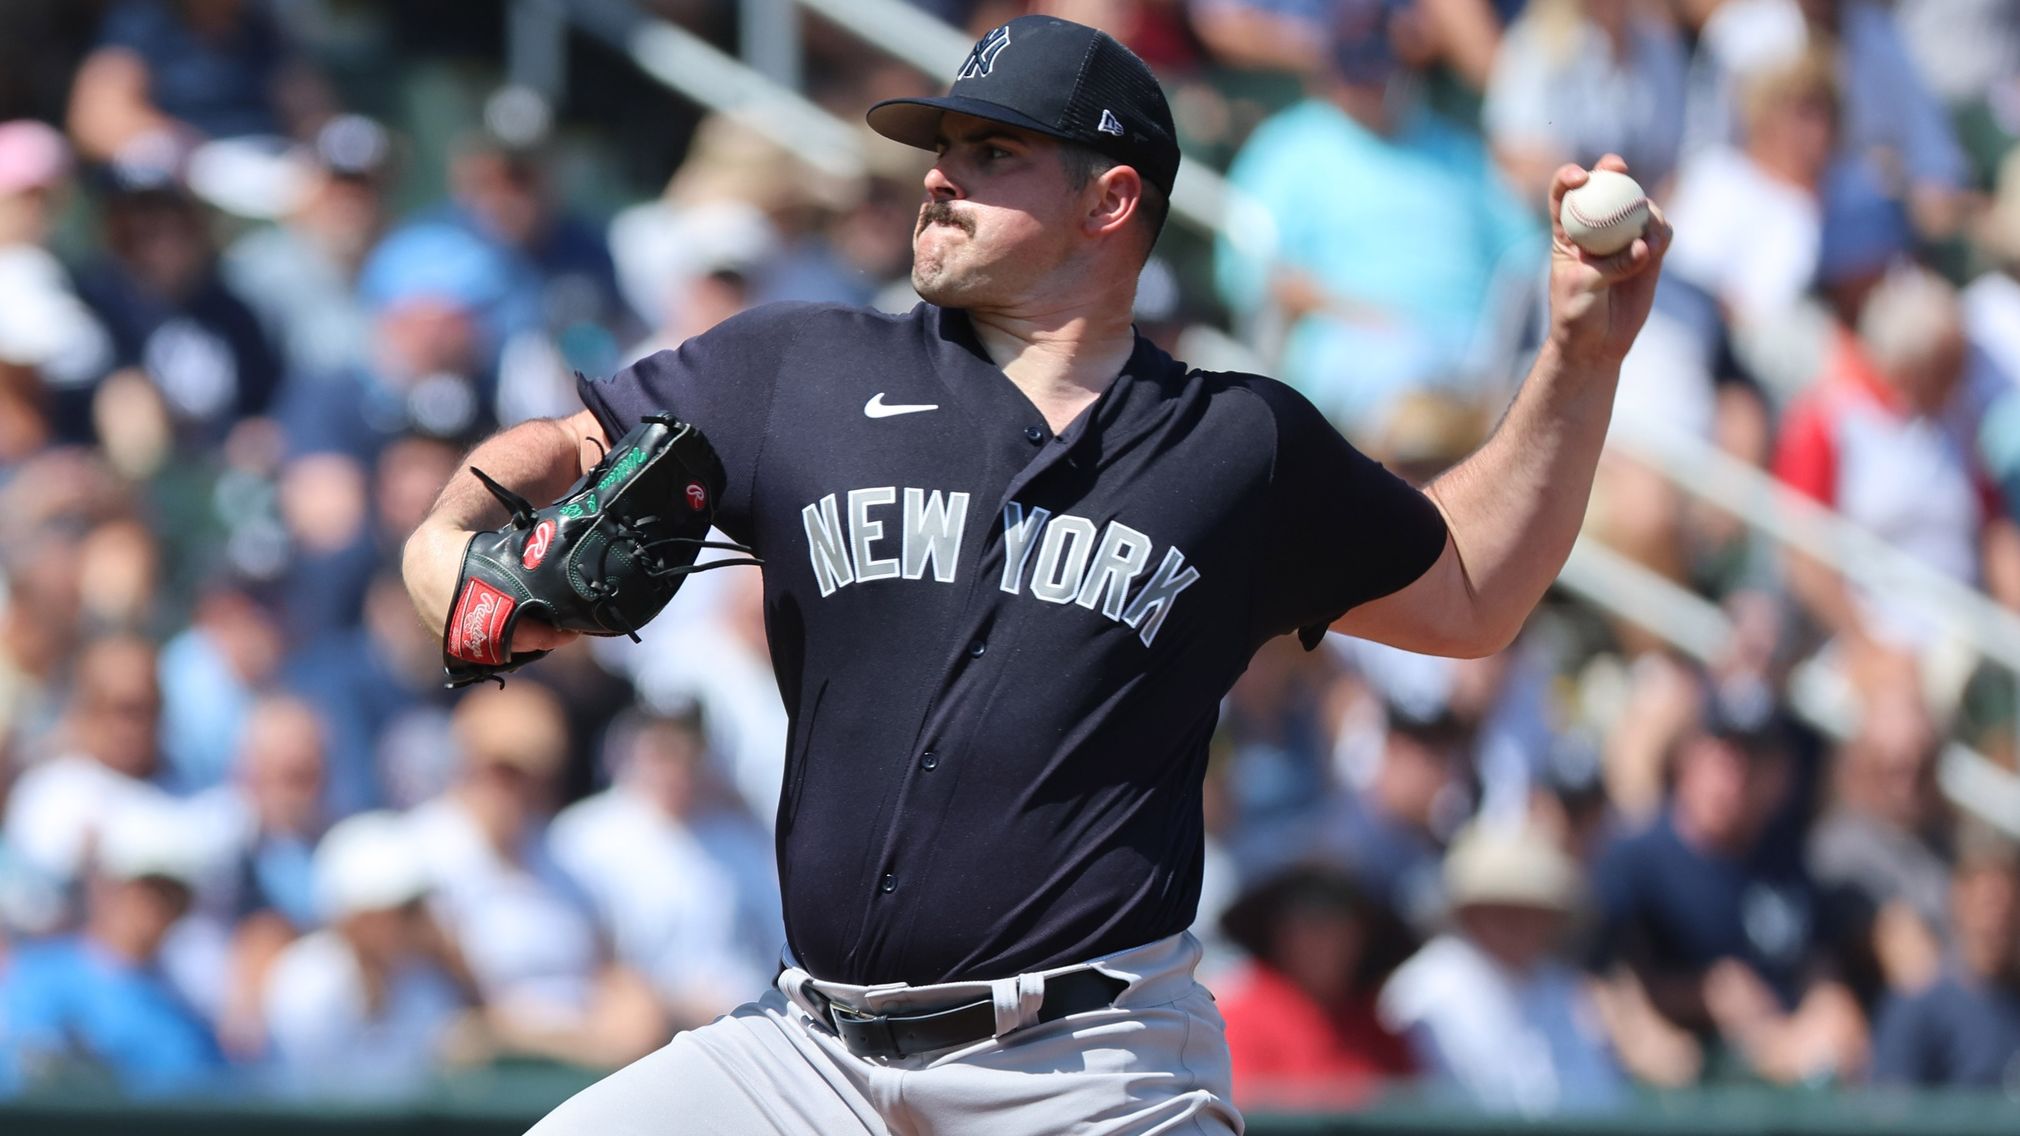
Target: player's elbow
[
  {"x": 1472, "y": 634},
  {"x": 1454, "y": 640},
  {"x": 1471, "y": 645}
]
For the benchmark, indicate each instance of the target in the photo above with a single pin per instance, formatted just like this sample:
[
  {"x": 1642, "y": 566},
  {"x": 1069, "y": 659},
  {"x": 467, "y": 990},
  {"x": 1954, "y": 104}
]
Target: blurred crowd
[{"x": 251, "y": 317}]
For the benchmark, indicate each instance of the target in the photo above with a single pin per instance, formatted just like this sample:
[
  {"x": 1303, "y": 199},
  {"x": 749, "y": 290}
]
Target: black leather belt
[{"x": 902, "y": 1035}]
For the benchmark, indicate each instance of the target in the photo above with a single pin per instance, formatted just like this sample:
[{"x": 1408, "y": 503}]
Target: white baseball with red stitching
[{"x": 1605, "y": 214}]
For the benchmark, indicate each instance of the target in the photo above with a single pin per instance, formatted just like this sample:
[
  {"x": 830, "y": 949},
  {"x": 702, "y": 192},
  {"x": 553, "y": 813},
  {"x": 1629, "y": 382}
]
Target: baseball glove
[{"x": 601, "y": 560}]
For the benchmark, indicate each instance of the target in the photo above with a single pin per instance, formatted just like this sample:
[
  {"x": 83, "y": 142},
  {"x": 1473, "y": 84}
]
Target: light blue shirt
[
  {"x": 1416, "y": 225},
  {"x": 68, "y": 1000}
]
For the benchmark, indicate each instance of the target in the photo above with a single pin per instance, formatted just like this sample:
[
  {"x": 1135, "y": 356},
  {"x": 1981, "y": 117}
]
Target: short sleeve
[
  {"x": 1340, "y": 530},
  {"x": 721, "y": 381},
  {"x": 1805, "y": 456}
]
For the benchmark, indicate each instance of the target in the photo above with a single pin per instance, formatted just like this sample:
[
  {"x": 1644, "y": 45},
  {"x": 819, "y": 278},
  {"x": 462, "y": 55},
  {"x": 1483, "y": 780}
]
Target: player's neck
[{"x": 1061, "y": 362}]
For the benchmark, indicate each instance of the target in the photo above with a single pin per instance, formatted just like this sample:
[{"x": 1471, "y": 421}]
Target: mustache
[{"x": 942, "y": 213}]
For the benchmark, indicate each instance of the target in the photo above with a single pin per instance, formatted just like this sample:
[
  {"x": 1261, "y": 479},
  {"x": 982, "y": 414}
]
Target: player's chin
[{"x": 938, "y": 285}]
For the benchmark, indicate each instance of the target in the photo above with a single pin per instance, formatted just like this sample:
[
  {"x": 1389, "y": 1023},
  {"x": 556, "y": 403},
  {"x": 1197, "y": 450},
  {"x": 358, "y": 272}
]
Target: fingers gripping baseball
[{"x": 1607, "y": 245}]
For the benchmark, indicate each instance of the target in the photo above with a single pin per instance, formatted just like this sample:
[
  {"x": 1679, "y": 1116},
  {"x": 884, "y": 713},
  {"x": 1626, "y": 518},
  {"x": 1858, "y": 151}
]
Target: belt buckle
[{"x": 866, "y": 1035}]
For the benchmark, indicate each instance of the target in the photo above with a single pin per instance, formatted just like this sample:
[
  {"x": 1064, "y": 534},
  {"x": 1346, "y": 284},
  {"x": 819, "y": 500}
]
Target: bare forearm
[
  {"x": 1515, "y": 506},
  {"x": 539, "y": 459}
]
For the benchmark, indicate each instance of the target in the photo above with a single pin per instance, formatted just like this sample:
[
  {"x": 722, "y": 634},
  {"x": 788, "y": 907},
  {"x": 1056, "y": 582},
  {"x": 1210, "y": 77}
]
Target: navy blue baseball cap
[{"x": 1056, "y": 78}]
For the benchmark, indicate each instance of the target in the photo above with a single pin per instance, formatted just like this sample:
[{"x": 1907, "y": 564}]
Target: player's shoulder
[
  {"x": 778, "y": 326},
  {"x": 1272, "y": 402}
]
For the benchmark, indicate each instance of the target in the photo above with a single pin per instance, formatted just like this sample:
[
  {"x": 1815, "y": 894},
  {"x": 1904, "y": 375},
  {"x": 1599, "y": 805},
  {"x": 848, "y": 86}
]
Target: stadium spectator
[
  {"x": 430, "y": 367},
  {"x": 170, "y": 314},
  {"x": 682, "y": 876},
  {"x": 38, "y": 632},
  {"x": 374, "y": 685},
  {"x": 46, "y": 331},
  {"x": 1575, "y": 80},
  {"x": 1464, "y": 38},
  {"x": 680, "y": 257},
  {"x": 1749, "y": 221},
  {"x": 1964, "y": 1029},
  {"x": 1887, "y": 437},
  {"x": 1499, "y": 705},
  {"x": 1992, "y": 300},
  {"x": 721, "y": 664},
  {"x": 559, "y": 311},
  {"x": 520, "y": 923},
  {"x": 259, "y": 830},
  {"x": 168, "y": 74},
  {"x": 1717, "y": 918},
  {"x": 1965, "y": 50},
  {"x": 1891, "y": 119},
  {"x": 269, "y": 815},
  {"x": 1490, "y": 1007},
  {"x": 1279, "y": 721},
  {"x": 124, "y": 512},
  {"x": 59, "y": 810},
  {"x": 1991, "y": 305},
  {"x": 99, "y": 1001},
  {"x": 1267, "y": 35},
  {"x": 1379, "y": 293},
  {"x": 1301, "y": 1024},
  {"x": 1968, "y": 51},
  {"x": 1885, "y": 840},
  {"x": 119, "y": 575},
  {"x": 853, "y": 244},
  {"x": 301, "y": 275},
  {"x": 1389, "y": 830},
  {"x": 367, "y": 1005},
  {"x": 211, "y": 675}
]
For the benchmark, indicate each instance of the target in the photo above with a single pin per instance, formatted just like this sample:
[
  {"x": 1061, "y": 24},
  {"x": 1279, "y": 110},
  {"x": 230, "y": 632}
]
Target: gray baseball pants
[{"x": 1155, "y": 1062}]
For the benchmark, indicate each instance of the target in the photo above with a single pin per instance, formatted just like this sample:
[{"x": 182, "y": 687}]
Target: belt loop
[
  {"x": 796, "y": 984},
  {"x": 1017, "y": 1001}
]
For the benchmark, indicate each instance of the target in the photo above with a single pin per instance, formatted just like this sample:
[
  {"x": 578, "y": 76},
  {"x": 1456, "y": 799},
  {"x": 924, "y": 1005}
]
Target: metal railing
[
  {"x": 1698, "y": 628},
  {"x": 1780, "y": 513},
  {"x": 696, "y": 69}
]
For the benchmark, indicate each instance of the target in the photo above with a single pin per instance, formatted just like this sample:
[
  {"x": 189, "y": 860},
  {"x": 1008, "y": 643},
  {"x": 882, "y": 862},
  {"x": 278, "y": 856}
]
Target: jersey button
[
  {"x": 1034, "y": 434},
  {"x": 889, "y": 885},
  {"x": 929, "y": 760},
  {"x": 976, "y": 648}
]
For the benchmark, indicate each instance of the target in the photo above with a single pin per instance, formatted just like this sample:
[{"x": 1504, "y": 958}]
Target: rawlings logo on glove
[{"x": 602, "y": 560}]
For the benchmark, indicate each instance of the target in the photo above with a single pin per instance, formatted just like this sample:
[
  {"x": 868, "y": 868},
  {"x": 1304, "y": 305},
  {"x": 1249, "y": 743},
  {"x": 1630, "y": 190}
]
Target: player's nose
[{"x": 940, "y": 187}]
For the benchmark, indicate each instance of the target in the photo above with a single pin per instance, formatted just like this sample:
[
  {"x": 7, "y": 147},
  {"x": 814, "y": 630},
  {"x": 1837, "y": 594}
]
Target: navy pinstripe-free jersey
[{"x": 1003, "y": 651}]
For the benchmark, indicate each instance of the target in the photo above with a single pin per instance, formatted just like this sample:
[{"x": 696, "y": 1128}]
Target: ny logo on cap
[{"x": 983, "y": 58}]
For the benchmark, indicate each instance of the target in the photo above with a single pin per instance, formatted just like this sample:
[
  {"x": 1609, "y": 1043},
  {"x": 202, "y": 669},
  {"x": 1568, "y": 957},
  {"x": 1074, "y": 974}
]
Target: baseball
[{"x": 1605, "y": 214}]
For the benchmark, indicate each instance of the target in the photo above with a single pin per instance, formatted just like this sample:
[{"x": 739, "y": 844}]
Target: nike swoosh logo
[{"x": 878, "y": 408}]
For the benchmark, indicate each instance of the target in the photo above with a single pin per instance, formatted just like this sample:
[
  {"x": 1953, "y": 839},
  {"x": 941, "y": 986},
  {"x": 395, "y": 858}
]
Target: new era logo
[
  {"x": 1110, "y": 124},
  {"x": 983, "y": 58}
]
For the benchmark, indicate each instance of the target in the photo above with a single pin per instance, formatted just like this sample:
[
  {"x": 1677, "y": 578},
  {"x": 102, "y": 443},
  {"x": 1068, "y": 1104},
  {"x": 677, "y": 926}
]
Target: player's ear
[{"x": 1113, "y": 199}]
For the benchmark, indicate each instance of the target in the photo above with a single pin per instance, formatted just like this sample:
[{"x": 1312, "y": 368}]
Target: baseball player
[{"x": 1014, "y": 556}]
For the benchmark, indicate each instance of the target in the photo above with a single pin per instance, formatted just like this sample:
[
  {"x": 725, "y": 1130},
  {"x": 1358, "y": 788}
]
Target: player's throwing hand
[{"x": 1598, "y": 303}]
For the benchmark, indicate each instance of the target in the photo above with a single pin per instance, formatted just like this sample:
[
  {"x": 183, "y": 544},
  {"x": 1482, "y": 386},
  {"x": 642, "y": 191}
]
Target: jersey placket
[{"x": 989, "y": 627}]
